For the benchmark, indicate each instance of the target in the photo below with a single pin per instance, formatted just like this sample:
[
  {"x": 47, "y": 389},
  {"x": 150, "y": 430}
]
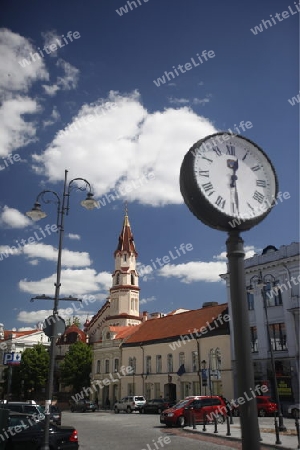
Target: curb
[{"x": 236, "y": 439}]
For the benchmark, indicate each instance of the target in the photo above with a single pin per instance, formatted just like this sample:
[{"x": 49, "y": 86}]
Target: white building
[{"x": 275, "y": 275}]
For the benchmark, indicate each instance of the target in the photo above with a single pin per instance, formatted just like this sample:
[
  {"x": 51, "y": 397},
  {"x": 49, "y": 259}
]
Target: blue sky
[{"x": 89, "y": 104}]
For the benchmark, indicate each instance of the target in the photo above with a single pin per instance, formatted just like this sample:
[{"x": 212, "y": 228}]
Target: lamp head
[
  {"x": 36, "y": 213},
  {"x": 89, "y": 203}
]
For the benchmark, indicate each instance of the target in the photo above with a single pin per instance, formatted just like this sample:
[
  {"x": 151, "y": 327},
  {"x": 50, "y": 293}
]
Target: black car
[
  {"x": 82, "y": 405},
  {"x": 55, "y": 414},
  {"x": 25, "y": 432},
  {"x": 156, "y": 406}
]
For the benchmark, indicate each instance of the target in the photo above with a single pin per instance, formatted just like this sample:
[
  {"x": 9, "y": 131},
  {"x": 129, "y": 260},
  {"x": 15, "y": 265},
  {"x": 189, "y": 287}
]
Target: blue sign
[{"x": 12, "y": 358}]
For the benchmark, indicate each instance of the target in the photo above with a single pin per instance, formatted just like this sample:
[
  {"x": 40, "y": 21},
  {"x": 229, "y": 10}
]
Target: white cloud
[
  {"x": 13, "y": 77},
  {"x": 75, "y": 237},
  {"x": 9, "y": 251},
  {"x": 249, "y": 250},
  {"x": 54, "y": 117},
  {"x": 69, "y": 258},
  {"x": 179, "y": 101},
  {"x": 201, "y": 101},
  {"x": 147, "y": 300},
  {"x": 50, "y": 37},
  {"x": 15, "y": 132},
  {"x": 34, "y": 262},
  {"x": 66, "y": 82},
  {"x": 12, "y": 218},
  {"x": 74, "y": 282},
  {"x": 33, "y": 317},
  {"x": 194, "y": 271},
  {"x": 123, "y": 143}
]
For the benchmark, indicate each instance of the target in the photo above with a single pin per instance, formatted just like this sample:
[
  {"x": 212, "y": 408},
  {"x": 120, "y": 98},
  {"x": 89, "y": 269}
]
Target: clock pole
[{"x": 241, "y": 328}]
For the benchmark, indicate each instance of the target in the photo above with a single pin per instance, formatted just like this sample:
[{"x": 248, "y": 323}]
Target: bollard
[
  {"x": 228, "y": 426},
  {"x": 216, "y": 425},
  {"x": 297, "y": 429},
  {"x": 230, "y": 415},
  {"x": 189, "y": 418},
  {"x": 194, "y": 421},
  {"x": 204, "y": 423},
  {"x": 278, "y": 441}
]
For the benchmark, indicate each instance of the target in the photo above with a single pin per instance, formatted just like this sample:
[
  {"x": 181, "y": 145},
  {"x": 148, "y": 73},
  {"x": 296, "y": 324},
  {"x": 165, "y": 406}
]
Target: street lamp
[
  {"x": 35, "y": 214},
  {"x": 261, "y": 281}
]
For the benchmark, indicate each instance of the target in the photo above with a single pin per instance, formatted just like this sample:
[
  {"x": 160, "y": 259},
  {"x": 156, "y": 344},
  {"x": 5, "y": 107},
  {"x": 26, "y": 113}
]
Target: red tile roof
[
  {"x": 173, "y": 326},
  {"x": 17, "y": 334}
]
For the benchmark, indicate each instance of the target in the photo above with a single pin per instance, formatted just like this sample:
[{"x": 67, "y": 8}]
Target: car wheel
[
  {"x": 128, "y": 410},
  {"x": 220, "y": 418},
  {"x": 295, "y": 413},
  {"x": 262, "y": 413},
  {"x": 180, "y": 421},
  {"x": 116, "y": 411}
]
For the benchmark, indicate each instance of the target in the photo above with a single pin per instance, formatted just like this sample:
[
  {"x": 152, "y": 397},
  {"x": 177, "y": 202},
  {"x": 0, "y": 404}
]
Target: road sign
[
  {"x": 48, "y": 327},
  {"x": 12, "y": 358}
]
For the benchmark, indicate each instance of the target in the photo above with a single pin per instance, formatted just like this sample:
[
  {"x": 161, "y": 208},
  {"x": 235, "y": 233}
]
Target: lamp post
[
  {"x": 261, "y": 281},
  {"x": 204, "y": 374},
  {"x": 35, "y": 214}
]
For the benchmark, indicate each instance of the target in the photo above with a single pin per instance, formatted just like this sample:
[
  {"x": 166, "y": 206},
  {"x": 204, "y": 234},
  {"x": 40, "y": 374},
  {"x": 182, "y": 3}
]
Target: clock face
[{"x": 232, "y": 178}]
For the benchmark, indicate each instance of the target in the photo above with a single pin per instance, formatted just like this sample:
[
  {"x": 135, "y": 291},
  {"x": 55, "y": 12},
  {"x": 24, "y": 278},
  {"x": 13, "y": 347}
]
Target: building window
[
  {"x": 98, "y": 367},
  {"x": 118, "y": 278},
  {"x": 181, "y": 358},
  {"x": 125, "y": 256},
  {"x": 158, "y": 364},
  {"x": 273, "y": 295},
  {"x": 170, "y": 363},
  {"x": 156, "y": 390},
  {"x": 116, "y": 364},
  {"x": 148, "y": 390},
  {"x": 194, "y": 361},
  {"x": 107, "y": 366},
  {"x": 250, "y": 299},
  {"x": 132, "y": 364},
  {"x": 148, "y": 364},
  {"x": 254, "y": 343},
  {"x": 132, "y": 303},
  {"x": 132, "y": 278},
  {"x": 278, "y": 336}
]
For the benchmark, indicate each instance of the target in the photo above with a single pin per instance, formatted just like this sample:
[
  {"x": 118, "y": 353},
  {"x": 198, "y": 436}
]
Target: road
[{"x": 109, "y": 431}]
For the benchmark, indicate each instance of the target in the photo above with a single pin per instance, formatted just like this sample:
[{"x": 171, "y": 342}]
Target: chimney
[{"x": 145, "y": 317}]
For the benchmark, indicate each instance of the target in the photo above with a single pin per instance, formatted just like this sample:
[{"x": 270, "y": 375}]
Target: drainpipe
[
  {"x": 143, "y": 367},
  {"x": 199, "y": 367}
]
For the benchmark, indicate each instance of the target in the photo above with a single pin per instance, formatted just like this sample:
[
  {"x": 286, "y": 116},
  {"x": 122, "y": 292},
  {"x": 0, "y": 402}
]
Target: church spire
[{"x": 126, "y": 241}]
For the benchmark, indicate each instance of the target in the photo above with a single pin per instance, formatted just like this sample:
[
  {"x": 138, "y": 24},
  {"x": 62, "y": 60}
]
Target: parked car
[
  {"x": 28, "y": 407},
  {"x": 27, "y": 434},
  {"x": 156, "y": 406},
  {"x": 174, "y": 416},
  {"x": 206, "y": 408},
  {"x": 55, "y": 414},
  {"x": 293, "y": 410},
  {"x": 266, "y": 406},
  {"x": 83, "y": 405},
  {"x": 129, "y": 404}
]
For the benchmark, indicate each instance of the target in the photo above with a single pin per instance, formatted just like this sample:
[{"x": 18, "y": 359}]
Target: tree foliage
[{"x": 77, "y": 366}]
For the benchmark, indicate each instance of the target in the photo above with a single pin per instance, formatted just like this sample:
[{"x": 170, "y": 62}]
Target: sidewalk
[{"x": 289, "y": 440}]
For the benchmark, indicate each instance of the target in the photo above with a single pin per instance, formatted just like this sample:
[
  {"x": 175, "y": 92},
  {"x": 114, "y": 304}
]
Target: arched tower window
[
  {"x": 132, "y": 278},
  {"x": 118, "y": 278}
]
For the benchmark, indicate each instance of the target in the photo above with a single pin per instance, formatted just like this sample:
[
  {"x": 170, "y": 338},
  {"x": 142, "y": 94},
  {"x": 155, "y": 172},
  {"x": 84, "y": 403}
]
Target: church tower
[{"x": 124, "y": 293}]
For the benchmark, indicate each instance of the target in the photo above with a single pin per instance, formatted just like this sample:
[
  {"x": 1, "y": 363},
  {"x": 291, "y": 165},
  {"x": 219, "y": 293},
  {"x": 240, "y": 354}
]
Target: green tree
[
  {"x": 77, "y": 366},
  {"x": 30, "y": 377}
]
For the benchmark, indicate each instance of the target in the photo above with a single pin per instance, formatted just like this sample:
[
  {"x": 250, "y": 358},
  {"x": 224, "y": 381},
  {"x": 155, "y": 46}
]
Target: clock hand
[{"x": 234, "y": 165}]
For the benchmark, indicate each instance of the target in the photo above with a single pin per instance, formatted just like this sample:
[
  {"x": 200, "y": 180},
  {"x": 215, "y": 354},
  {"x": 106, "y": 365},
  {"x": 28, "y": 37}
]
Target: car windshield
[
  {"x": 181, "y": 404},
  {"x": 139, "y": 399}
]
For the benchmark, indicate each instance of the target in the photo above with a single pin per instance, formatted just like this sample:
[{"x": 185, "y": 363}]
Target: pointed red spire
[{"x": 126, "y": 241}]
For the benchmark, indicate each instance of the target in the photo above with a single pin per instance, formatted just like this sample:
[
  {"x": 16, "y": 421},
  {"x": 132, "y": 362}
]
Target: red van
[{"x": 178, "y": 415}]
